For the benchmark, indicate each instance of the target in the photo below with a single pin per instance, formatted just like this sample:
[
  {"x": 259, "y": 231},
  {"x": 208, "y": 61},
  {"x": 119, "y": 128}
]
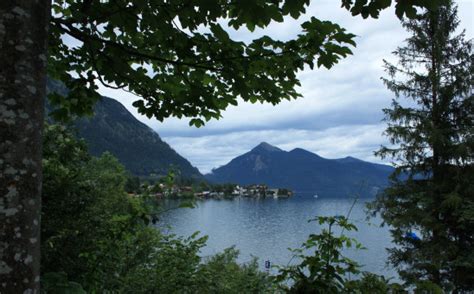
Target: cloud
[{"x": 208, "y": 152}]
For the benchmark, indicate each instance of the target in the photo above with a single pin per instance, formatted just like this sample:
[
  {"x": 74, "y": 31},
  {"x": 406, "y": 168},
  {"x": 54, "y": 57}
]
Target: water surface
[{"x": 266, "y": 228}]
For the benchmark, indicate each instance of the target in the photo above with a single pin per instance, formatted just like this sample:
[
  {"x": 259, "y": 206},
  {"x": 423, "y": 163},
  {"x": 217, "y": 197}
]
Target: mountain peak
[
  {"x": 264, "y": 146},
  {"x": 349, "y": 159},
  {"x": 300, "y": 150},
  {"x": 303, "y": 172}
]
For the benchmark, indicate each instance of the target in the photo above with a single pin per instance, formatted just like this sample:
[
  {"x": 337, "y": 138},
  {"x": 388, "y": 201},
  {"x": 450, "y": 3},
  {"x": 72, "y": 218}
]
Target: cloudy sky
[{"x": 339, "y": 115}]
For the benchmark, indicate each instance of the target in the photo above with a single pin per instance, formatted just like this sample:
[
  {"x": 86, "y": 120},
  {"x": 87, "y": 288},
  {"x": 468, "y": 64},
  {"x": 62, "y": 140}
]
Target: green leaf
[{"x": 197, "y": 122}]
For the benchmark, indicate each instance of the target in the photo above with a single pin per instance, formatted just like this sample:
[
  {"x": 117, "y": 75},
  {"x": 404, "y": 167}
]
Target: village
[
  {"x": 207, "y": 191},
  {"x": 254, "y": 191}
]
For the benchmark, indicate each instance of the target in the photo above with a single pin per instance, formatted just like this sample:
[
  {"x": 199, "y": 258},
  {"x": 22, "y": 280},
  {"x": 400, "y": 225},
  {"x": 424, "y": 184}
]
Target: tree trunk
[{"x": 23, "y": 56}]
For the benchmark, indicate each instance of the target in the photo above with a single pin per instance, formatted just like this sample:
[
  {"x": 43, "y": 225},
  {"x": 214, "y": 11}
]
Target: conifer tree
[{"x": 430, "y": 202}]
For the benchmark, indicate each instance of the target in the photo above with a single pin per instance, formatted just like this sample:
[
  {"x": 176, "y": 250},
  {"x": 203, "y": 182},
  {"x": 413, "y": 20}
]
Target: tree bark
[{"x": 23, "y": 56}]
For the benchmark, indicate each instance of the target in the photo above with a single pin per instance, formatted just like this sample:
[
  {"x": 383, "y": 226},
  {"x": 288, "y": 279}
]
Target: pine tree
[{"x": 430, "y": 125}]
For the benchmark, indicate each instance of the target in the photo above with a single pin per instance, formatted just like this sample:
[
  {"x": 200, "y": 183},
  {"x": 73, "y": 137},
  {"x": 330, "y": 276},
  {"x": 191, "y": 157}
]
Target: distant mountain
[
  {"x": 139, "y": 148},
  {"x": 303, "y": 172}
]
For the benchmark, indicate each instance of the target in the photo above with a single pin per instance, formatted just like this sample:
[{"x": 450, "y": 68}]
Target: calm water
[{"x": 266, "y": 228}]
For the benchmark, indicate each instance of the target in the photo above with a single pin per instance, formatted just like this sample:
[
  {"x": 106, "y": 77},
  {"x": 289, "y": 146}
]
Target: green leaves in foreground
[
  {"x": 180, "y": 58},
  {"x": 57, "y": 283},
  {"x": 403, "y": 8},
  {"x": 327, "y": 269}
]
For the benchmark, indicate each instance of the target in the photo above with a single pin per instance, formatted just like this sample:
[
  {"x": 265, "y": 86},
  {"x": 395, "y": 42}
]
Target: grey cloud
[{"x": 207, "y": 152}]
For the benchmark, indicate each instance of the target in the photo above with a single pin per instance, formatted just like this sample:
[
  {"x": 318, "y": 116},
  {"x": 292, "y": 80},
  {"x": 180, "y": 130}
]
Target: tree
[
  {"x": 176, "y": 55},
  {"x": 432, "y": 191},
  {"x": 23, "y": 35}
]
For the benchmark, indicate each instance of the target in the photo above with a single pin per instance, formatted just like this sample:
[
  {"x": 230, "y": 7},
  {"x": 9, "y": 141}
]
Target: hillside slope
[
  {"x": 139, "y": 148},
  {"x": 113, "y": 128},
  {"x": 303, "y": 172}
]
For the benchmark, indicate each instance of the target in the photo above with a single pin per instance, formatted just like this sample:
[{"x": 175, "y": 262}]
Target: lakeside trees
[
  {"x": 432, "y": 190},
  {"x": 97, "y": 238},
  {"x": 137, "y": 46}
]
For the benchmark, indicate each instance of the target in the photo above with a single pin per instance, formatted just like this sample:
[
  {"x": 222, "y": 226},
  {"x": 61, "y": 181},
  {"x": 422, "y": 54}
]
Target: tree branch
[{"x": 69, "y": 29}]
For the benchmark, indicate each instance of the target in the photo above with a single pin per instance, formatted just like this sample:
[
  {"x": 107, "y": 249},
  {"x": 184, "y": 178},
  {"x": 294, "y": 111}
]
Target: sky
[{"x": 339, "y": 115}]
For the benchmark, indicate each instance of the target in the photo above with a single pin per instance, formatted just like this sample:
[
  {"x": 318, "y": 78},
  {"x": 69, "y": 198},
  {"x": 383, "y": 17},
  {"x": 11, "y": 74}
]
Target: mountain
[
  {"x": 303, "y": 172},
  {"x": 139, "y": 148},
  {"x": 113, "y": 128}
]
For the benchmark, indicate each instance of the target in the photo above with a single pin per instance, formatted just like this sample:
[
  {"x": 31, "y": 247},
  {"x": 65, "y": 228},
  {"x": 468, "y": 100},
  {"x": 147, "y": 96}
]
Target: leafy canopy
[{"x": 178, "y": 56}]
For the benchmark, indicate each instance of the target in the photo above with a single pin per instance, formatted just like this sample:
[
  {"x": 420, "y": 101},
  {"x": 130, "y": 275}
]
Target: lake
[{"x": 266, "y": 228}]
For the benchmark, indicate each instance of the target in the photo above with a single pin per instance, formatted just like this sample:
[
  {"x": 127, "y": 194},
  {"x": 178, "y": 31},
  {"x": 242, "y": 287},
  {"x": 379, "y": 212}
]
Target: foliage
[
  {"x": 179, "y": 57},
  {"x": 58, "y": 283},
  {"x": 170, "y": 267},
  {"x": 432, "y": 189},
  {"x": 225, "y": 188},
  {"x": 327, "y": 269},
  {"x": 87, "y": 217},
  {"x": 402, "y": 7},
  {"x": 222, "y": 273},
  {"x": 97, "y": 237},
  {"x": 132, "y": 185},
  {"x": 372, "y": 283},
  {"x": 178, "y": 269}
]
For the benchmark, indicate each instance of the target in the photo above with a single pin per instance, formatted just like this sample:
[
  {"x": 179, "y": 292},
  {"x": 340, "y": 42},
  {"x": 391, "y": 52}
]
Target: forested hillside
[{"x": 139, "y": 148}]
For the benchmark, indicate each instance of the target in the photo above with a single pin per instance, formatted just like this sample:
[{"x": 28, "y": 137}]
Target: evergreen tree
[{"x": 432, "y": 190}]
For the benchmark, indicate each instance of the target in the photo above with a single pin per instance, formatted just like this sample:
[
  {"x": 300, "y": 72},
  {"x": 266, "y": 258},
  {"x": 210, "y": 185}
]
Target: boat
[{"x": 315, "y": 196}]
